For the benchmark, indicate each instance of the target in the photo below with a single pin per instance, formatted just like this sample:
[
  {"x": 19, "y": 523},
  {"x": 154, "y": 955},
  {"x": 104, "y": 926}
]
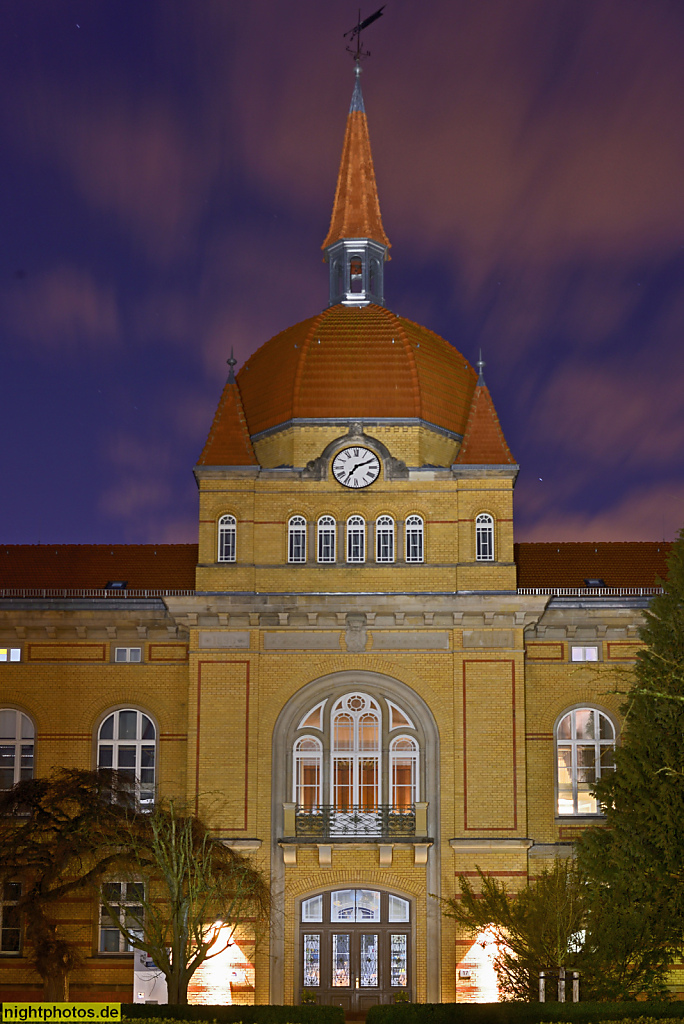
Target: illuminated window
[
  {"x": 414, "y": 539},
  {"x": 584, "y": 653},
  {"x": 308, "y": 770},
  {"x": 356, "y": 539},
  {"x": 227, "y": 537},
  {"x": 585, "y": 745},
  {"x": 355, "y": 275},
  {"x": 326, "y": 545},
  {"x": 384, "y": 539},
  {"x": 10, "y": 653},
  {"x": 16, "y": 747},
  {"x": 126, "y": 742},
  {"x": 403, "y": 755},
  {"x": 484, "y": 538},
  {"x": 296, "y": 539}
]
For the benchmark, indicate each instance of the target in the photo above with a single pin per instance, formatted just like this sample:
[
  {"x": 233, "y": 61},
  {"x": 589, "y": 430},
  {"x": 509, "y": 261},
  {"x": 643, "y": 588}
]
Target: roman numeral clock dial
[{"x": 356, "y": 467}]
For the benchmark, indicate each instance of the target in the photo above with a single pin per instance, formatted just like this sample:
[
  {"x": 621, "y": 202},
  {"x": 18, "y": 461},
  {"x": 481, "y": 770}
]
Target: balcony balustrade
[{"x": 329, "y": 822}]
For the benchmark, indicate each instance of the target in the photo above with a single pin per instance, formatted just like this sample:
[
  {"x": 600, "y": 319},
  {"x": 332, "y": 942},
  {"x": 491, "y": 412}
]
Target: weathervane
[{"x": 358, "y": 52}]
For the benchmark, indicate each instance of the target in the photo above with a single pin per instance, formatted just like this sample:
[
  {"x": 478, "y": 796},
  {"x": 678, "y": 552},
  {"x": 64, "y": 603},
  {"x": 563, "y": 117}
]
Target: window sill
[{"x": 579, "y": 819}]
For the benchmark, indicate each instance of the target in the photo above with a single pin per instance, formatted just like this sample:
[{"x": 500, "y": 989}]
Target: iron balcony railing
[
  {"x": 589, "y": 591},
  {"x": 327, "y": 821}
]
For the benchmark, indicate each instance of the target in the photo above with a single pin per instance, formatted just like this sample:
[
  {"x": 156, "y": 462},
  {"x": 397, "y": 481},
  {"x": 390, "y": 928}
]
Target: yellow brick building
[{"x": 355, "y": 675}]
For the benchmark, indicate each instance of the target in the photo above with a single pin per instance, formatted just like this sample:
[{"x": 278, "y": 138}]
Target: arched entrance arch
[{"x": 412, "y": 762}]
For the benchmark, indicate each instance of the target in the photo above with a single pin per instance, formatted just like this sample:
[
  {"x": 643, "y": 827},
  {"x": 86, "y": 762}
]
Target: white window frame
[
  {"x": 384, "y": 539},
  {"x": 296, "y": 540},
  {"x": 17, "y": 748},
  {"x": 584, "y": 653},
  {"x": 356, "y": 539},
  {"x": 127, "y": 749},
  {"x": 414, "y": 537},
  {"x": 10, "y": 654},
  {"x": 404, "y": 749},
  {"x": 128, "y": 655},
  {"x": 326, "y": 539},
  {"x": 308, "y": 753},
  {"x": 574, "y": 744},
  {"x": 9, "y": 897},
  {"x": 484, "y": 538},
  {"x": 359, "y": 709},
  {"x": 107, "y": 927},
  {"x": 227, "y": 539}
]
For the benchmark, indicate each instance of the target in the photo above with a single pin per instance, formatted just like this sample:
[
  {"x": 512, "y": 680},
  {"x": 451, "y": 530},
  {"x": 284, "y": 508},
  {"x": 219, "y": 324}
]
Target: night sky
[{"x": 166, "y": 181}]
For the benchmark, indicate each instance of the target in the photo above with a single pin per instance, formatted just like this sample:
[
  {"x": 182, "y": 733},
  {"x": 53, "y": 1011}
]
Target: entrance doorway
[{"x": 355, "y": 947}]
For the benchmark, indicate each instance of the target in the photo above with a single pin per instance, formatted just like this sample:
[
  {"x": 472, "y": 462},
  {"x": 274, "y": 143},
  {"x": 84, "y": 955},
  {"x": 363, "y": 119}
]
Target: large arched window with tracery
[{"x": 355, "y": 767}]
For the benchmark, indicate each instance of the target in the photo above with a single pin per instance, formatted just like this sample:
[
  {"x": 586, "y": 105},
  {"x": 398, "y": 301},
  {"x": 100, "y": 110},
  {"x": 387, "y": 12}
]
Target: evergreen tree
[{"x": 637, "y": 858}]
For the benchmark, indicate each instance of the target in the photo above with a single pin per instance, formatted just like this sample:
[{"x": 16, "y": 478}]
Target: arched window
[
  {"x": 403, "y": 772},
  {"x": 355, "y": 274},
  {"x": 326, "y": 543},
  {"x": 126, "y": 742},
  {"x": 484, "y": 538},
  {"x": 356, "y": 539},
  {"x": 414, "y": 539},
  {"x": 355, "y": 727},
  {"x": 227, "y": 537},
  {"x": 384, "y": 539},
  {"x": 16, "y": 747},
  {"x": 585, "y": 742},
  {"x": 296, "y": 539},
  {"x": 308, "y": 773}
]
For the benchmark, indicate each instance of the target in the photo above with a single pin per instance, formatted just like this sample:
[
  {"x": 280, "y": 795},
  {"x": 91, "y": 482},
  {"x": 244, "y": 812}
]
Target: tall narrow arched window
[
  {"x": 126, "y": 742},
  {"x": 384, "y": 539},
  {"x": 355, "y": 274},
  {"x": 16, "y": 747},
  {"x": 484, "y": 538},
  {"x": 414, "y": 539},
  {"x": 585, "y": 743},
  {"x": 356, "y": 539},
  {"x": 296, "y": 539},
  {"x": 227, "y": 538},
  {"x": 403, "y": 772},
  {"x": 326, "y": 540},
  {"x": 308, "y": 773},
  {"x": 355, "y": 775}
]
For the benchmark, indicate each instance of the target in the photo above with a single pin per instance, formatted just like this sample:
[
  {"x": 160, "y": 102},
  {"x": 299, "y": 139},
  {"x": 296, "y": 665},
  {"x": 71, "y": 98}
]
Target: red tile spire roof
[
  {"x": 229, "y": 443},
  {"x": 483, "y": 441},
  {"x": 356, "y": 209}
]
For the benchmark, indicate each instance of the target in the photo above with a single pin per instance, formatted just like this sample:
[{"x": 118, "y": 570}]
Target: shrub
[
  {"x": 234, "y": 1014},
  {"x": 526, "y": 1013}
]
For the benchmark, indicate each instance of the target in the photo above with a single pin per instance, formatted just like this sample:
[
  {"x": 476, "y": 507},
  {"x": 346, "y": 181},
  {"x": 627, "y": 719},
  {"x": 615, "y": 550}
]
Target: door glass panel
[
  {"x": 342, "y": 905},
  {"x": 398, "y": 961},
  {"x": 367, "y": 905},
  {"x": 312, "y": 961},
  {"x": 398, "y": 909},
  {"x": 341, "y": 977},
  {"x": 343, "y": 784},
  {"x": 312, "y": 910},
  {"x": 369, "y": 961},
  {"x": 369, "y": 783}
]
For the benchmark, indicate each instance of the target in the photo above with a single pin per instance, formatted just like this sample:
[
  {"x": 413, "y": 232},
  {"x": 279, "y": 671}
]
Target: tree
[
  {"x": 192, "y": 884},
  {"x": 638, "y": 857},
  {"x": 534, "y": 928},
  {"x": 560, "y": 920},
  {"x": 58, "y": 835}
]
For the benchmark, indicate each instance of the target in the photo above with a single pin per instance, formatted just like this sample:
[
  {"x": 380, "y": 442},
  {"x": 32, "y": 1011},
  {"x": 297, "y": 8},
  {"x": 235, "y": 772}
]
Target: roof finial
[
  {"x": 357, "y": 95},
  {"x": 231, "y": 363},
  {"x": 480, "y": 367},
  {"x": 355, "y": 34}
]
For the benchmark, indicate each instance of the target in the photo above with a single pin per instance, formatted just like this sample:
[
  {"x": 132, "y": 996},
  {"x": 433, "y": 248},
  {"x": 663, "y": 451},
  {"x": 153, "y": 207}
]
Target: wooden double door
[{"x": 355, "y": 947}]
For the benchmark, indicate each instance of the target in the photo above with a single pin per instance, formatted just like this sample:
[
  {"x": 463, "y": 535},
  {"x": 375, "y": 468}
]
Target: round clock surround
[{"x": 356, "y": 467}]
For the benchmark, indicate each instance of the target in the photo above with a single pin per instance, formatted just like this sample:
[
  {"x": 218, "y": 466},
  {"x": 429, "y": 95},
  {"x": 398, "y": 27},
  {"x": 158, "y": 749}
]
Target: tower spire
[{"x": 356, "y": 246}]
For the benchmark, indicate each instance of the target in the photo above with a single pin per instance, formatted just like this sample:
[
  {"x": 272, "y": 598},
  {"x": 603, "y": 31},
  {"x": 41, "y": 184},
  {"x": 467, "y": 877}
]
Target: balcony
[{"x": 328, "y": 828}]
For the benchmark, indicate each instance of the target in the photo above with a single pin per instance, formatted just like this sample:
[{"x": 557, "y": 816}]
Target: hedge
[
  {"x": 234, "y": 1014},
  {"x": 522, "y": 1013}
]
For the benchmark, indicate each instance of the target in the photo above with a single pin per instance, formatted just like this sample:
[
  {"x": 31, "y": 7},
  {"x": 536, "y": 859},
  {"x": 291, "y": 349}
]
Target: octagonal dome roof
[{"x": 356, "y": 363}]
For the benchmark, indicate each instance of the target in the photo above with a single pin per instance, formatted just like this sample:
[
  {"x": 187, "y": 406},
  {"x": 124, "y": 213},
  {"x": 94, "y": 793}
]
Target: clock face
[{"x": 356, "y": 467}]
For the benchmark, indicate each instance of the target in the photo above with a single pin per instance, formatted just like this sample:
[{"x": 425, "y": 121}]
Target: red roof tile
[
  {"x": 92, "y": 566},
  {"x": 484, "y": 443},
  {"x": 617, "y": 563},
  {"x": 350, "y": 362},
  {"x": 356, "y": 208},
  {"x": 228, "y": 443}
]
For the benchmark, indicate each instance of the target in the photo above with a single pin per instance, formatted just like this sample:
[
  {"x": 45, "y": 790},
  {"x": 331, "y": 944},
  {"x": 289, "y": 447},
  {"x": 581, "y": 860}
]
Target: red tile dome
[{"x": 350, "y": 362}]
